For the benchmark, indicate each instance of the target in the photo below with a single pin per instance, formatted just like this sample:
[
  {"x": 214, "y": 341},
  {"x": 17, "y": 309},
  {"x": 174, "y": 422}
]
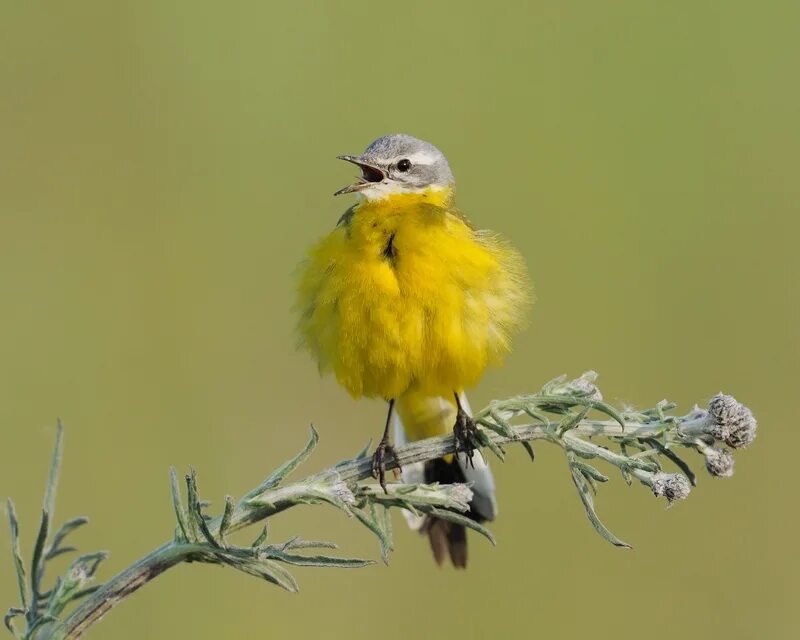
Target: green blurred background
[{"x": 163, "y": 167}]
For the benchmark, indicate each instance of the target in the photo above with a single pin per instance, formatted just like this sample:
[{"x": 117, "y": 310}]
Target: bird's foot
[
  {"x": 465, "y": 433},
  {"x": 379, "y": 462}
]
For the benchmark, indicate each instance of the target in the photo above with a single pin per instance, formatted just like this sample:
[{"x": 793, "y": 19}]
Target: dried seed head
[
  {"x": 673, "y": 486},
  {"x": 585, "y": 386},
  {"x": 461, "y": 494},
  {"x": 719, "y": 462},
  {"x": 731, "y": 421}
]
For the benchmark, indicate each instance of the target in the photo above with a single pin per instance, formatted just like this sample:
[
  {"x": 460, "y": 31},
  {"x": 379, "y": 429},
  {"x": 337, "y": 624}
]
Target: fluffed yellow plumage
[
  {"x": 407, "y": 301},
  {"x": 405, "y": 296}
]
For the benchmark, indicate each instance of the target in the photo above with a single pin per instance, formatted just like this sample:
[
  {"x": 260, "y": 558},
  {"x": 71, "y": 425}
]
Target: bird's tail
[{"x": 417, "y": 417}]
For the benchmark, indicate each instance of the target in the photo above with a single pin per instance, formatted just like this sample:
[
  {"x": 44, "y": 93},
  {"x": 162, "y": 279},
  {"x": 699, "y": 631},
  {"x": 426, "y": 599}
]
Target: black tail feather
[{"x": 447, "y": 538}]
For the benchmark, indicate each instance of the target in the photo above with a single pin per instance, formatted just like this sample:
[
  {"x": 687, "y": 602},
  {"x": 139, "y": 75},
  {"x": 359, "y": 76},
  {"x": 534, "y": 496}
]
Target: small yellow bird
[{"x": 405, "y": 300}]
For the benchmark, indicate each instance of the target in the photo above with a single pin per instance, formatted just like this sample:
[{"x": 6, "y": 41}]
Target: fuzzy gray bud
[
  {"x": 731, "y": 421},
  {"x": 673, "y": 486},
  {"x": 583, "y": 387},
  {"x": 461, "y": 495},
  {"x": 719, "y": 462}
]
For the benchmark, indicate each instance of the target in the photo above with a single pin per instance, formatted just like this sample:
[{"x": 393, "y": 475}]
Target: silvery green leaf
[
  {"x": 85, "y": 592},
  {"x": 177, "y": 506},
  {"x": 263, "y": 502},
  {"x": 589, "y": 470},
  {"x": 537, "y": 415},
  {"x": 590, "y": 481},
  {"x": 551, "y": 386},
  {"x": 650, "y": 456},
  {"x": 570, "y": 421},
  {"x": 644, "y": 465},
  {"x": 675, "y": 458},
  {"x": 202, "y": 524},
  {"x": 89, "y": 562},
  {"x": 450, "y": 496},
  {"x": 274, "y": 572},
  {"x": 364, "y": 452},
  {"x": 195, "y": 519},
  {"x": 286, "y": 545},
  {"x": 379, "y": 514},
  {"x": 609, "y": 411},
  {"x": 39, "y": 623},
  {"x": 58, "y": 552},
  {"x": 297, "y": 543},
  {"x": 383, "y": 536},
  {"x": 320, "y": 560},
  {"x": 408, "y": 488},
  {"x": 49, "y": 596},
  {"x": 19, "y": 565},
  {"x": 55, "y": 548},
  {"x": 74, "y": 580},
  {"x": 490, "y": 425},
  {"x": 487, "y": 442},
  {"x": 505, "y": 428},
  {"x": 457, "y": 518},
  {"x": 225, "y": 521},
  {"x": 556, "y": 403},
  {"x": 37, "y": 562},
  {"x": 55, "y": 466},
  {"x": 12, "y": 613},
  {"x": 408, "y": 506},
  {"x": 635, "y": 416},
  {"x": 387, "y": 545},
  {"x": 261, "y": 538},
  {"x": 585, "y": 494},
  {"x": 277, "y": 476},
  {"x": 266, "y": 569},
  {"x": 529, "y": 448},
  {"x": 659, "y": 409}
]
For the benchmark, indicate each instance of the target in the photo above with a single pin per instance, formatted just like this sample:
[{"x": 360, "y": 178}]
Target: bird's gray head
[{"x": 399, "y": 163}]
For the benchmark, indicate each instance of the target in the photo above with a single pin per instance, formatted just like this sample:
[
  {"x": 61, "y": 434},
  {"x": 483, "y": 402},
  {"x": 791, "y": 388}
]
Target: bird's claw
[
  {"x": 379, "y": 462},
  {"x": 465, "y": 433}
]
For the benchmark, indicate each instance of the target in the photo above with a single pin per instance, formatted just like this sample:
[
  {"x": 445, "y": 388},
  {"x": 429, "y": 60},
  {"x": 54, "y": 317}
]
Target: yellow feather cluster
[{"x": 406, "y": 295}]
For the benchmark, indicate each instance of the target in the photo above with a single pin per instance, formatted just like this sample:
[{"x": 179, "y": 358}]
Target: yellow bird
[{"x": 406, "y": 301}]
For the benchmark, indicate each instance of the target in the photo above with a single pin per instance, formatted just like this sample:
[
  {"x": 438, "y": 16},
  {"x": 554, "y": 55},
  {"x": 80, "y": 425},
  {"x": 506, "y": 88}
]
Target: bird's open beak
[{"x": 370, "y": 174}]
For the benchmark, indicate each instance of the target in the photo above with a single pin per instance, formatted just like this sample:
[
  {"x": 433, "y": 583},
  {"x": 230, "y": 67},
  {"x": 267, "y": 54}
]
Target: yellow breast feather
[{"x": 404, "y": 294}]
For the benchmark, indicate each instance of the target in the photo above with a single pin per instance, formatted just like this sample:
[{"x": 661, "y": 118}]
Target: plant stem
[
  {"x": 273, "y": 501},
  {"x": 116, "y": 589}
]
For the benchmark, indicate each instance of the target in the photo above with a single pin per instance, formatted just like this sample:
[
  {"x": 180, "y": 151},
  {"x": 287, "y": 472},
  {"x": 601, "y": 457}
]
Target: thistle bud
[
  {"x": 583, "y": 387},
  {"x": 731, "y": 422},
  {"x": 673, "y": 486},
  {"x": 719, "y": 462}
]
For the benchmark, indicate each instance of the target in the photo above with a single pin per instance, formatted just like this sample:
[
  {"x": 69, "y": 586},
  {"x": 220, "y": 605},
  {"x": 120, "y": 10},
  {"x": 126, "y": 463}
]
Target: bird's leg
[
  {"x": 379, "y": 457},
  {"x": 465, "y": 432}
]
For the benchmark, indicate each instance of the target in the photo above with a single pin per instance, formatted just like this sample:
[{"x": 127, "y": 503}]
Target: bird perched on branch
[{"x": 406, "y": 301}]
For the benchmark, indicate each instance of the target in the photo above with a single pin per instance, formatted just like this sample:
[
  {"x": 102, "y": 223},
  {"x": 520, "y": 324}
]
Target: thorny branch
[{"x": 635, "y": 442}]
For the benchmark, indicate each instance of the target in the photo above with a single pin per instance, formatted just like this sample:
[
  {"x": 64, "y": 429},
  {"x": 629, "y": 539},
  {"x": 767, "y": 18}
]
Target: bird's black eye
[{"x": 404, "y": 165}]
